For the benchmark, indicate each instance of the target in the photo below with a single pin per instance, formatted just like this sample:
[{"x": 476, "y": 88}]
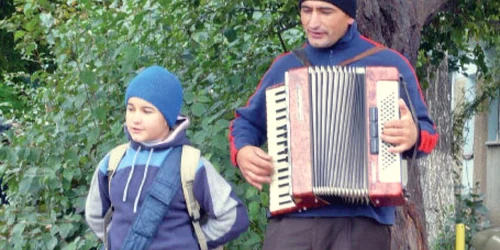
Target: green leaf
[
  {"x": 88, "y": 77},
  {"x": 19, "y": 34},
  {"x": 47, "y": 19},
  {"x": 198, "y": 109},
  {"x": 25, "y": 184},
  {"x": 230, "y": 34},
  {"x": 189, "y": 97},
  {"x": 131, "y": 55}
]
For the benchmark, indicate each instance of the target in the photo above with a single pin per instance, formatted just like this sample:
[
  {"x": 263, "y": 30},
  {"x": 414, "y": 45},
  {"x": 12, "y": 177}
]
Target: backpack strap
[
  {"x": 115, "y": 157},
  {"x": 156, "y": 204},
  {"x": 189, "y": 164}
]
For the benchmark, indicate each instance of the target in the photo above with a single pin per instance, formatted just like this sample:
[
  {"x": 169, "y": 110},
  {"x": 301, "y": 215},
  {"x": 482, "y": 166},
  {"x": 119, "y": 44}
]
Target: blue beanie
[
  {"x": 348, "y": 6},
  {"x": 161, "y": 88}
]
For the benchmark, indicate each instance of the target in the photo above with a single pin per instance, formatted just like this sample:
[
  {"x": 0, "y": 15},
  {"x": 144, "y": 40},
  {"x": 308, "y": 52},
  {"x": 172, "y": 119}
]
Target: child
[{"x": 155, "y": 128}]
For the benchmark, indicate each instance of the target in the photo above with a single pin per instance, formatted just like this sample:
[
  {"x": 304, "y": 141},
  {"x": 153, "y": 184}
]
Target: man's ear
[{"x": 350, "y": 21}]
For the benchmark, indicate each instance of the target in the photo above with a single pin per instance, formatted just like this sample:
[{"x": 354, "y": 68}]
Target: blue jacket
[
  {"x": 249, "y": 126},
  {"x": 227, "y": 215}
]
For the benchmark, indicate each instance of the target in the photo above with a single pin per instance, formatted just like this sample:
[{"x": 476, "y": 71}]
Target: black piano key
[
  {"x": 281, "y": 170},
  {"x": 283, "y": 152},
  {"x": 285, "y": 202},
  {"x": 281, "y": 110},
  {"x": 283, "y": 177},
  {"x": 284, "y": 135},
  {"x": 283, "y": 185},
  {"x": 281, "y": 100},
  {"x": 283, "y": 160}
]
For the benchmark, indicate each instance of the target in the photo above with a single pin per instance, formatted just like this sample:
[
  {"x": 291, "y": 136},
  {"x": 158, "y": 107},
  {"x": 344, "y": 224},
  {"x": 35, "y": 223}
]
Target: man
[{"x": 332, "y": 38}]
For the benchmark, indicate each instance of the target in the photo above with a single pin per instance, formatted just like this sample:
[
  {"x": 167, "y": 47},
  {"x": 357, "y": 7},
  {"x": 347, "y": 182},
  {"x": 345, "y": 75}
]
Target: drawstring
[
  {"x": 130, "y": 175},
  {"x": 138, "y": 196}
]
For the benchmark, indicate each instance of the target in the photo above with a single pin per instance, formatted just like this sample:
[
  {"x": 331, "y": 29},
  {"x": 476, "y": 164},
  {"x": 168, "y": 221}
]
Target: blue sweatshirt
[
  {"x": 227, "y": 216},
  {"x": 250, "y": 128}
]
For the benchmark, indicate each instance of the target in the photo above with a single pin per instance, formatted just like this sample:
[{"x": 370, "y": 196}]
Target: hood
[{"x": 177, "y": 137}]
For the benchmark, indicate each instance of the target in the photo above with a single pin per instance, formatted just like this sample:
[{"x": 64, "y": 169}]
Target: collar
[{"x": 351, "y": 33}]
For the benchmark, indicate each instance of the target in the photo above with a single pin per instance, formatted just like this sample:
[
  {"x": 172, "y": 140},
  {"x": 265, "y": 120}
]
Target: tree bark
[
  {"x": 397, "y": 25},
  {"x": 439, "y": 168}
]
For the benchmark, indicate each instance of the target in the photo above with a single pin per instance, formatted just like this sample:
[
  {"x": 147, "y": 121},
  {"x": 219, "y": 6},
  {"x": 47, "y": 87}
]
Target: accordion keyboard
[{"x": 280, "y": 199}]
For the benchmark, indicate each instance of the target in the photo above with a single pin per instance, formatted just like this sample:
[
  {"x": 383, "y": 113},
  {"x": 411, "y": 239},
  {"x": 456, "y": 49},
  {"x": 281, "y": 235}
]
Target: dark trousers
[{"x": 358, "y": 233}]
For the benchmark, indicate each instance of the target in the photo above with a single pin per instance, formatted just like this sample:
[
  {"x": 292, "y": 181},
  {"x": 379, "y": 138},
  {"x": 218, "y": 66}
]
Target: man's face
[{"x": 323, "y": 23}]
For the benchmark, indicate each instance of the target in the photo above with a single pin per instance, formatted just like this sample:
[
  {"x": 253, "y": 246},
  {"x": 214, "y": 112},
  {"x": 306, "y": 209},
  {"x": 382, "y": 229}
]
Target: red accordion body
[{"x": 324, "y": 125}]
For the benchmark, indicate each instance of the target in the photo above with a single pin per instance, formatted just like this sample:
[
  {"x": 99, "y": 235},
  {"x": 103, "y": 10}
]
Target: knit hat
[
  {"x": 161, "y": 88},
  {"x": 348, "y": 6}
]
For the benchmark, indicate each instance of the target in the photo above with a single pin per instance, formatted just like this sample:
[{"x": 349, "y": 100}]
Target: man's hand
[
  {"x": 401, "y": 133},
  {"x": 255, "y": 165}
]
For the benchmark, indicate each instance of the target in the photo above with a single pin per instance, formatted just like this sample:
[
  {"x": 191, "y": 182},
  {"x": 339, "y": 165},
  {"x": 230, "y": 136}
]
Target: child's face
[{"x": 144, "y": 121}]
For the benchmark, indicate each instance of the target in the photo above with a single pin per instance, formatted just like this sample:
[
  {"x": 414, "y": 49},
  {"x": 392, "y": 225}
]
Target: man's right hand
[{"x": 255, "y": 165}]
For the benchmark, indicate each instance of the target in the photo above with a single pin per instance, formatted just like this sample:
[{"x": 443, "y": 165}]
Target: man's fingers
[
  {"x": 261, "y": 154},
  {"x": 403, "y": 109},
  {"x": 256, "y": 180},
  {"x": 397, "y": 149},
  {"x": 255, "y": 165}
]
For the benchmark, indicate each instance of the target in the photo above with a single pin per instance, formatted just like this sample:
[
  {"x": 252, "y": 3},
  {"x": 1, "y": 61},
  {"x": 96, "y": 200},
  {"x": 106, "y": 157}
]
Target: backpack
[{"x": 189, "y": 163}]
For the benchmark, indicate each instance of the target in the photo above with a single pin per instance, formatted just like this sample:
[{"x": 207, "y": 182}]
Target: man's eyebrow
[{"x": 326, "y": 8}]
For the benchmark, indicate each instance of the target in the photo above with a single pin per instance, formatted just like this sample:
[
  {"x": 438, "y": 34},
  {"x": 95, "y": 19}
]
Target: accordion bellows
[{"x": 323, "y": 129}]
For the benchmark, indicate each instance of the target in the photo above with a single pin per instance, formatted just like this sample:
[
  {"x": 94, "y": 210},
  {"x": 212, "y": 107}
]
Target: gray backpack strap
[
  {"x": 115, "y": 156},
  {"x": 189, "y": 164}
]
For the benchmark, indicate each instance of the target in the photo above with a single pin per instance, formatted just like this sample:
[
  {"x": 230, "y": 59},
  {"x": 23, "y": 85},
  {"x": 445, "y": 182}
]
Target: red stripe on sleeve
[
  {"x": 232, "y": 148},
  {"x": 427, "y": 141}
]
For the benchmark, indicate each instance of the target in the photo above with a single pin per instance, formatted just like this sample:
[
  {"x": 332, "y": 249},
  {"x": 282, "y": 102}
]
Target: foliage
[
  {"x": 87, "y": 51},
  {"x": 470, "y": 211}
]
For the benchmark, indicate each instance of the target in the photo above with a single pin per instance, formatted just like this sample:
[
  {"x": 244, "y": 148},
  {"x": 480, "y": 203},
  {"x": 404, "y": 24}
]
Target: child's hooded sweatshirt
[{"x": 227, "y": 216}]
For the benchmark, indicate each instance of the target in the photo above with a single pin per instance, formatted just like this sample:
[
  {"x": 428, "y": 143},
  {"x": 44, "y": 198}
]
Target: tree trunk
[
  {"x": 397, "y": 25},
  {"x": 437, "y": 179}
]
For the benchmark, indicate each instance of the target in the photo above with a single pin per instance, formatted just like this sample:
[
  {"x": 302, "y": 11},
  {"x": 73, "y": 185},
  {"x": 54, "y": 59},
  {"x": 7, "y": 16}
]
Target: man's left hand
[{"x": 401, "y": 133}]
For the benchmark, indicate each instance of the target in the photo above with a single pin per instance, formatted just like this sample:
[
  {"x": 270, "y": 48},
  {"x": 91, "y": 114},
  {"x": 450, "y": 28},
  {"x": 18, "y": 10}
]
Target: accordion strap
[
  {"x": 302, "y": 56},
  {"x": 362, "y": 55}
]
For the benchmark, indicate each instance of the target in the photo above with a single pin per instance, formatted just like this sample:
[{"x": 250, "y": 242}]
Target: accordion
[{"x": 323, "y": 129}]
